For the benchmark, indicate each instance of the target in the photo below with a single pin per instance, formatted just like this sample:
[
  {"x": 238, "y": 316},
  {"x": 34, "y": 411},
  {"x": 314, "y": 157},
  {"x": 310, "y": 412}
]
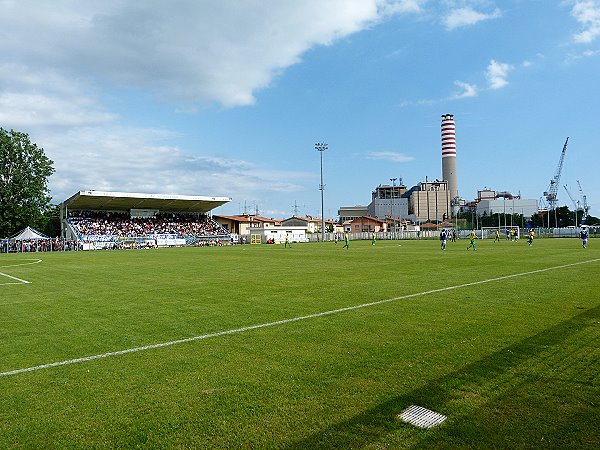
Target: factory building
[
  {"x": 491, "y": 202},
  {"x": 429, "y": 201},
  {"x": 389, "y": 202}
]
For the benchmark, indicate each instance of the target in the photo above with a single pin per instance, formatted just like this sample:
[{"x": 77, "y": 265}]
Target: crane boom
[
  {"x": 586, "y": 207},
  {"x": 552, "y": 193},
  {"x": 575, "y": 204}
]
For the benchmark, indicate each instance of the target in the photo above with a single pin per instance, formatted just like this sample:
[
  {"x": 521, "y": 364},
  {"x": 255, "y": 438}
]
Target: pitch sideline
[
  {"x": 284, "y": 321},
  {"x": 19, "y": 280}
]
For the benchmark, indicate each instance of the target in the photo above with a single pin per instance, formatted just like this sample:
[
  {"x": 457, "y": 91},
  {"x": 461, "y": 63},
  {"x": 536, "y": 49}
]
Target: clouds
[
  {"x": 587, "y": 13},
  {"x": 468, "y": 90},
  {"x": 61, "y": 58},
  {"x": 467, "y": 16},
  {"x": 209, "y": 51},
  {"x": 129, "y": 159},
  {"x": 390, "y": 156},
  {"x": 497, "y": 73}
]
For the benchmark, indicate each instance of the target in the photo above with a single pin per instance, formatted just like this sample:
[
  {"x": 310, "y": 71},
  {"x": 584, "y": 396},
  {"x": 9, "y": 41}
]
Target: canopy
[
  {"x": 122, "y": 201},
  {"x": 29, "y": 234}
]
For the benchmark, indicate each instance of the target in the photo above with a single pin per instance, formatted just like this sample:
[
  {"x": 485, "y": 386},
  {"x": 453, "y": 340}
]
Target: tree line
[{"x": 24, "y": 193}]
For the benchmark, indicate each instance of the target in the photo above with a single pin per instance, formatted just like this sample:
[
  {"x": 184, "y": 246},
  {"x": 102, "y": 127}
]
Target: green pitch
[{"x": 513, "y": 361}]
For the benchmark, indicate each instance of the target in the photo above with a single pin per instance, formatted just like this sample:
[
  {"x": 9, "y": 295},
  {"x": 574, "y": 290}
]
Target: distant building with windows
[
  {"x": 429, "y": 201},
  {"x": 389, "y": 202},
  {"x": 490, "y": 202},
  {"x": 349, "y": 213}
]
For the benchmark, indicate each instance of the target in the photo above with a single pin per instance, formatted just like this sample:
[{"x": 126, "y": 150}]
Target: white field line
[
  {"x": 282, "y": 322},
  {"x": 35, "y": 261},
  {"x": 13, "y": 278}
]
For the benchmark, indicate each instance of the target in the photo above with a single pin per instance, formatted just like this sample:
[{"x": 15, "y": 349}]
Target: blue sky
[{"x": 228, "y": 98}]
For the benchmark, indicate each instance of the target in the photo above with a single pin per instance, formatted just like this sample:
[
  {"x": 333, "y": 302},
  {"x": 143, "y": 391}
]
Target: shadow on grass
[{"x": 539, "y": 409}]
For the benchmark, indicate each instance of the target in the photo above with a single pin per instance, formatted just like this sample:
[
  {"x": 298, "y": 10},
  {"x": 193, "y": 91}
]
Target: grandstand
[{"x": 99, "y": 220}]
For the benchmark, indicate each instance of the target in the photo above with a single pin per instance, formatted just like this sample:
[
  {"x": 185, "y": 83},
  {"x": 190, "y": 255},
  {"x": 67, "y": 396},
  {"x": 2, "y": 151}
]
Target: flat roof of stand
[{"x": 122, "y": 201}]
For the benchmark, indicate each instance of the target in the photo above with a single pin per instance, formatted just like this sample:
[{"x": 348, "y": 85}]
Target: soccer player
[
  {"x": 584, "y": 236},
  {"x": 508, "y": 234},
  {"x": 497, "y": 236},
  {"x": 443, "y": 238},
  {"x": 287, "y": 242},
  {"x": 373, "y": 239},
  {"x": 530, "y": 237},
  {"x": 472, "y": 238},
  {"x": 347, "y": 241}
]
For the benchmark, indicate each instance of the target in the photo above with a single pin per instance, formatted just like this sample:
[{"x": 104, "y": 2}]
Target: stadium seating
[{"x": 94, "y": 225}]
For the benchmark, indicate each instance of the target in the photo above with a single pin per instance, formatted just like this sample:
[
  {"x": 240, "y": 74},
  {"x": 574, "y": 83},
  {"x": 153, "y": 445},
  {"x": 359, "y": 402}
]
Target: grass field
[{"x": 513, "y": 361}]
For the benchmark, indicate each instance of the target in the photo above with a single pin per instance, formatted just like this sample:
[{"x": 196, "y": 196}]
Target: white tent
[
  {"x": 26, "y": 235},
  {"x": 29, "y": 234}
]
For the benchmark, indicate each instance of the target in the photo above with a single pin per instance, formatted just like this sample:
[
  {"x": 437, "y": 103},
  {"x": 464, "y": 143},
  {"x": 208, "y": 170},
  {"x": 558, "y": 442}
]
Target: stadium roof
[{"x": 121, "y": 201}]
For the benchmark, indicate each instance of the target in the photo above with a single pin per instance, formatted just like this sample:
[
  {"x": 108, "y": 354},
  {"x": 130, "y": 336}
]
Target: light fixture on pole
[
  {"x": 392, "y": 221},
  {"x": 321, "y": 147}
]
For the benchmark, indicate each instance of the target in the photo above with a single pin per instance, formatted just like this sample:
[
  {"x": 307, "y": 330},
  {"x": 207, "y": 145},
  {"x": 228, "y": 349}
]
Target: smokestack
[{"x": 449, "y": 154}]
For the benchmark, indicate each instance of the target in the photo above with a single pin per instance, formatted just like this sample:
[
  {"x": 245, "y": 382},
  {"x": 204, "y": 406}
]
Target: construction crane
[
  {"x": 586, "y": 207},
  {"x": 551, "y": 194},
  {"x": 575, "y": 203}
]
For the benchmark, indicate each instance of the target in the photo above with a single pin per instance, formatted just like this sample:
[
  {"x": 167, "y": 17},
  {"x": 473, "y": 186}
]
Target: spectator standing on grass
[
  {"x": 472, "y": 237},
  {"x": 583, "y": 234}
]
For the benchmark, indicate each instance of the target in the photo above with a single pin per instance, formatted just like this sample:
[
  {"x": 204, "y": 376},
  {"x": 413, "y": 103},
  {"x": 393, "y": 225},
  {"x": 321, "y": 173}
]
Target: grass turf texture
[{"x": 512, "y": 363}]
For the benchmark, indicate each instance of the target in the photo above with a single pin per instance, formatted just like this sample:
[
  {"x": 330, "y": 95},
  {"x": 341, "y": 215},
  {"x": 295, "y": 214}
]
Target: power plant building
[
  {"x": 389, "y": 202},
  {"x": 429, "y": 201},
  {"x": 490, "y": 202}
]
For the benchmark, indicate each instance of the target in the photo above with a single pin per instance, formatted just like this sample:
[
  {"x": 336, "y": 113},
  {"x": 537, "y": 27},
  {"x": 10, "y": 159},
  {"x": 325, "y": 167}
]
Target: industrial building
[
  {"x": 429, "y": 201},
  {"x": 435, "y": 201},
  {"x": 491, "y": 202},
  {"x": 389, "y": 202}
]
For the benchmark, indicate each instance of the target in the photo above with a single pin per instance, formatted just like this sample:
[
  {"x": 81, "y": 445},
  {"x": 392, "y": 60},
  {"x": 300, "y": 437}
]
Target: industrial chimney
[{"x": 449, "y": 154}]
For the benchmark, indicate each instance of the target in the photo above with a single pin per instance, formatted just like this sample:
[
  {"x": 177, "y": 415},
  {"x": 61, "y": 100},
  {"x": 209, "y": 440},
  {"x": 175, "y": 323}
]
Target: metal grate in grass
[{"x": 421, "y": 417}]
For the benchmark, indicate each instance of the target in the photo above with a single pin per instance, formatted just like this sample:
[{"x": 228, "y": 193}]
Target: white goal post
[{"x": 490, "y": 232}]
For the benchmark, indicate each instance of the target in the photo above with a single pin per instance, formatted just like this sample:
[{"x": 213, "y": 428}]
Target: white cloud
[
  {"x": 468, "y": 90},
  {"x": 587, "y": 13},
  {"x": 390, "y": 156},
  {"x": 586, "y": 54},
  {"x": 467, "y": 16},
  {"x": 497, "y": 73},
  {"x": 58, "y": 56},
  {"x": 114, "y": 158},
  {"x": 404, "y": 6},
  {"x": 208, "y": 51}
]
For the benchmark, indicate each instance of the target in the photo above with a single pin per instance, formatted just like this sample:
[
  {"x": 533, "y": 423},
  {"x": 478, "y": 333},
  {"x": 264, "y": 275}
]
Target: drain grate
[{"x": 421, "y": 417}]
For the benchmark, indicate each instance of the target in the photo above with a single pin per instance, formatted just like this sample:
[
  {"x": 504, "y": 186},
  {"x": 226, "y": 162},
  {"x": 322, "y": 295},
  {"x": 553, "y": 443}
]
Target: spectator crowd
[{"x": 90, "y": 223}]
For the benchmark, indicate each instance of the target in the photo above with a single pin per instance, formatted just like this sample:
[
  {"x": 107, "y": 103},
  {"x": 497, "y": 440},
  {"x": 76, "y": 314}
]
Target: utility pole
[{"x": 321, "y": 147}]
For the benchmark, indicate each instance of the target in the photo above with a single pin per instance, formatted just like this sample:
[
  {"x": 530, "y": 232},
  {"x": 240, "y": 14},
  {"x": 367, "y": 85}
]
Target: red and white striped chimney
[{"x": 449, "y": 154}]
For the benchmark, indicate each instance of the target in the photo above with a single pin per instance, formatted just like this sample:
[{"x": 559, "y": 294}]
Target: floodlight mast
[{"x": 321, "y": 147}]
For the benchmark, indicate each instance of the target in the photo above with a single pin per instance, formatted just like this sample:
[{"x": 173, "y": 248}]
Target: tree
[{"x": 24, "y": 172}]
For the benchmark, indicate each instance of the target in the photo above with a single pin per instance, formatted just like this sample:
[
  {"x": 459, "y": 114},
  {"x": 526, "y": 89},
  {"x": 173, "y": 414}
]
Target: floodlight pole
[{"x": 321, "y": 147}]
